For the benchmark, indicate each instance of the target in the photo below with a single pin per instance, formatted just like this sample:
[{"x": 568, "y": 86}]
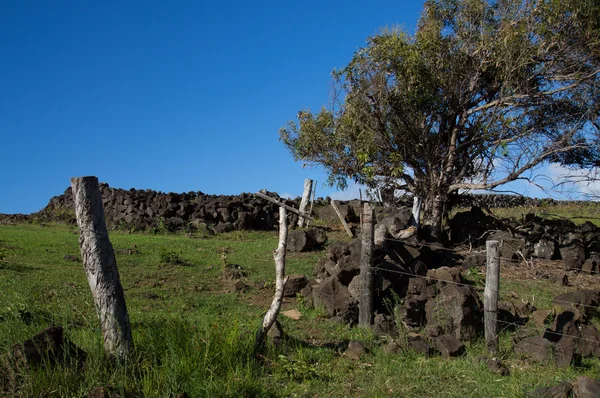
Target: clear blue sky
[{"x": 172, "y": 96}]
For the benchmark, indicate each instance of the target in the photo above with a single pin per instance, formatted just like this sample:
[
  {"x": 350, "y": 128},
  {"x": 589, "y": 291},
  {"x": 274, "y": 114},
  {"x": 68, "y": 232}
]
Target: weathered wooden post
[
  {"x": 365, "y": 310},
  {"x": 416, "y": 212},
  {"x": 304, "y": 201},
  {"x": 101, "y": 268},
  {"x": 312, "y": 201},
  {"x": 339, "y": 214},
  {"x": 490, "y": 295},
  {"x": 280, "y": 280}
]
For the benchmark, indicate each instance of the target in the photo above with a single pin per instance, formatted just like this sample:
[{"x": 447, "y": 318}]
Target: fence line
[{"x": 551, "y": 332}]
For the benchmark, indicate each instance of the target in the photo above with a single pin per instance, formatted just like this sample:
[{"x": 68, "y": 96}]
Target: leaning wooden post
[
  {"x": 365, "y": 310},
  {"x": 416, "y": 212},
  {"x": 280, "y": 280},
  {"x": 101, "y": 268},
  {"x": 312, "y": 201},
  {"x": 339, "y": 214},
  {"x": 304, "y": 201},
  {"x": 490, "y": 295}
]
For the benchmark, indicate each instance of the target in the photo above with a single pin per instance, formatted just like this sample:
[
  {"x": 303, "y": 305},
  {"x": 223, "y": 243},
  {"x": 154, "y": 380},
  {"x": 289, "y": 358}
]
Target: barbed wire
[{"x": 549, "y": 332}]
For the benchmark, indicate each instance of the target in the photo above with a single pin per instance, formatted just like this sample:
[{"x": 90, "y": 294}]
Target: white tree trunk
[
  {"x": 101, "y": 268},
  {"x": 304, "y": 201},
  {"x": 280, "y": 279},
  {"x": 416, "y": 211}
]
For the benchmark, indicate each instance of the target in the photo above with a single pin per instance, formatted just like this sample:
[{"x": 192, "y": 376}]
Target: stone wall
[{"x": 147, "y": 209}]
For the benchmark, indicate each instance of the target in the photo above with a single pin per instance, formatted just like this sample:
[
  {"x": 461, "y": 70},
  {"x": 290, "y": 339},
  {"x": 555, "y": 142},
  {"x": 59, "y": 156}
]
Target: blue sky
[{"x": 172, "y": 96}]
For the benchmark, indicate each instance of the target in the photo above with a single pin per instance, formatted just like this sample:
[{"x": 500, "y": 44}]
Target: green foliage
[
  {"x": 171, "y": 256},
  {"x": 3, "y": 256},
  {"x": 481, "y": 86}
]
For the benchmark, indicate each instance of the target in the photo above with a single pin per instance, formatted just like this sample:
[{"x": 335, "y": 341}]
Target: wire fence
[{"x": 577, "y": 302}]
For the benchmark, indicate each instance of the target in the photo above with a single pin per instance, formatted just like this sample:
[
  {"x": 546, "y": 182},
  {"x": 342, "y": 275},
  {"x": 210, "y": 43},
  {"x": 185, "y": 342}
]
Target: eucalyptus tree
[{"x": 480, "y": 94}]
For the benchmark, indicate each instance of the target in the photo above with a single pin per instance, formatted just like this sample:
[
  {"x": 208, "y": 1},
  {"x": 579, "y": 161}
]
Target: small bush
[{"x": 171, "y": 257}]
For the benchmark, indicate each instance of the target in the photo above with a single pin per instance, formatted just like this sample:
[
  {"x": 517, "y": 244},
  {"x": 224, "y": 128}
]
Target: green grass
[
  {"x": 192, "y": 332},
  {"x": 578, "y": 213}
]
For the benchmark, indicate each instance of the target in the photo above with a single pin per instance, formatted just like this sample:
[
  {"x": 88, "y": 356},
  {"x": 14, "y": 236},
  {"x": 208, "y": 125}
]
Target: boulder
[
  {"x": 474, "y": 260},
  {"x": 50, "y": 346},
  {"x": 448, "y": 346},
  {"x": 589, "y": 343},
  {"x": 510, "y": 246},
  {"x": 586, "y": 301},
  {"x": 536, "y": 349},
  {"x": 541, "y": 317},
  {"x": 572, "y": 251},
  {"x": 564, "y": 334},
  {"x": 332, "y": 296},
  {"x": 412, "y": 312},
  {"x": 544, "y": 248},
  {"x": 444, "y": 275},
  {"x": 592, "y": 264},
  {"x": 301, "y": 240},
  {"x": 294, "y": 285},
  {"x": 562, "y": 390},
  {"x": 584, "y": 387},
  {"x": 456, "y": 310},
  {"x": 420, "y": 346},
  {"x": 223, "y": 227},
  {"x": 384, "y": 325}
]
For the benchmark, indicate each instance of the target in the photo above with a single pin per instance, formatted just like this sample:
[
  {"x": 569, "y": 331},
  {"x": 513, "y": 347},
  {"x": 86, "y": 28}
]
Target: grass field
[{"x": 194, "y": 332}]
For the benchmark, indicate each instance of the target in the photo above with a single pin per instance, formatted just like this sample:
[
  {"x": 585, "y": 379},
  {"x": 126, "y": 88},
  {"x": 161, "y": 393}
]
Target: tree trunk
[
  {"x": 101, "y": 268},
  {"x": 305, "y": 199},
  {"x": 433, "y": 214},
  {"x": 280, "y": 281}
]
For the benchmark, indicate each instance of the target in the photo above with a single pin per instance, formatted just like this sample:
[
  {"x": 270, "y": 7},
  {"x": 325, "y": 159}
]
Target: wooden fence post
[
  {"x": 101, "y": 268},
  {"x": 365, "y": 310},
  {"x": 490, "y": 295},
  {"x": 280, "y": 281},
  {"x": 339, "y": 214},
  {"x": 416, "y": 212},
  {"x": 304, "y": 201},
  {"x": 312, "y": 201}
]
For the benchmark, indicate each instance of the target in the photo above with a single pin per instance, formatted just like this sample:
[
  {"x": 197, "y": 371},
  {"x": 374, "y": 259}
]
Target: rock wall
[{"x": 147, "y": 209}]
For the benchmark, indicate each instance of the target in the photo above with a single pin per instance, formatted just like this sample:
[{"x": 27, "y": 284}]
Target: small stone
[
  {"x": 99, "y": 392},
  {"x": 275, "y": 334},
  {"x": 355, "y": 350},
  {"x": 495, "y": 365},
  {"x": 292, "y": 314}
]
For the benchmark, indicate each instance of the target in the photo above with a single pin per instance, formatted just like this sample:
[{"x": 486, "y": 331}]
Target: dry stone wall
[{"x": 147, "y": 209}]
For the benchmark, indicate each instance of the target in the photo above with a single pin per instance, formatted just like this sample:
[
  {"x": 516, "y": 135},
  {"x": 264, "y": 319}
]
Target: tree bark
[
  {"x": 280, "y": 280},
  {"x": 101, "y": 268},
  {"x": 365, "y": 311},
  {"x": 433, "y": 214},
  {"x": 304, "y": 201}
]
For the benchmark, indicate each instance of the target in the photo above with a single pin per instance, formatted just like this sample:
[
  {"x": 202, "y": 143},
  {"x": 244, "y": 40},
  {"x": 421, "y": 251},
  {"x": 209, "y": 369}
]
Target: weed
[
  {"x": 3, "y": 255},
  {"x": 171, "y": 256}
]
